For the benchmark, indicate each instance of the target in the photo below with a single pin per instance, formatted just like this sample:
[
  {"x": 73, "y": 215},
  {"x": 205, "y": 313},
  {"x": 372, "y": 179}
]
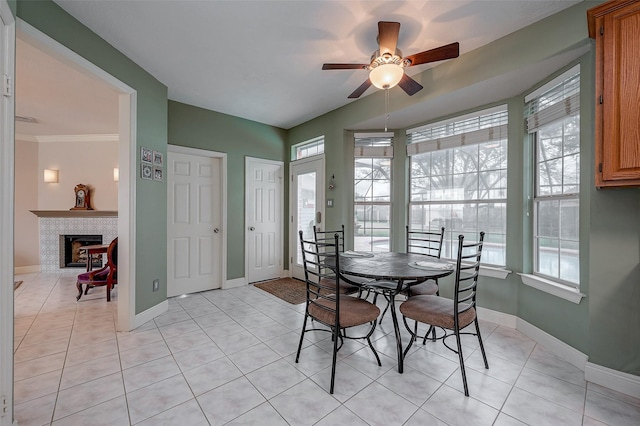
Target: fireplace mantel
[{"x": 75, "y": 213}]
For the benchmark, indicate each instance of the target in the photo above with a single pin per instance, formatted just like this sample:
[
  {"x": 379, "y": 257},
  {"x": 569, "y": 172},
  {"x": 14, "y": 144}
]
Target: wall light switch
[
  {"x": 330, "y": 202},
  {"x": 156, "y": 284}
]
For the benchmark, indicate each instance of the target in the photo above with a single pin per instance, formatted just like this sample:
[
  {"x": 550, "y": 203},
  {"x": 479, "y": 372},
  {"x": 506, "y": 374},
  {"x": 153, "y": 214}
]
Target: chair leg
[
  {"x": 304, "y": 328},
  {"x": 373, "y": 328},
  {"x": 79, "y": 287},
  {"x": 484, "y": 355},
  {"x": 413, "y": 334},
  {"x": 462, "y": 370},
  {"x": 108, "y": 292},
  {"x": 335, "y": 356}
]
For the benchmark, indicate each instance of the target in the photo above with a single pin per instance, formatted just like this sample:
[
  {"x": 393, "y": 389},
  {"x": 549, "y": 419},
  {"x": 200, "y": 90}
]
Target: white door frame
[
  {"x": 127, "y": 164},
  {"x": 246, "y": 214},
  {"x": 7, "y": 163},
  {"x": 223, "y": 197},
  {"x": 293, "y": 233}
]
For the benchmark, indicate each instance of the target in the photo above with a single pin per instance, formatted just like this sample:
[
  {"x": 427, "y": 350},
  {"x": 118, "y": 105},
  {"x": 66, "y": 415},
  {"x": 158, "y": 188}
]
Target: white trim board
[
  {"x": 26, "y": 269},
  {"x": 151, "y": 313},
  {"x": 628, "y": 384},
  {"x": 127, "y": 117},
  {"x": 236, "y": 282},
  {"x": 613, "y": 379}
]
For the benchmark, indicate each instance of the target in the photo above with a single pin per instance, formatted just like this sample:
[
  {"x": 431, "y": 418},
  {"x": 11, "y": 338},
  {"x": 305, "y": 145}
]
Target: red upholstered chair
[{"x": 107, "y": 276}]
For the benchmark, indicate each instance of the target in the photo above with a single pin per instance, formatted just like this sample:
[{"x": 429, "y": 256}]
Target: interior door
[
  {"x": 306, "y": 205},
  {"x": 194, "y": 231},
  {"x": 263, "y": 219}
]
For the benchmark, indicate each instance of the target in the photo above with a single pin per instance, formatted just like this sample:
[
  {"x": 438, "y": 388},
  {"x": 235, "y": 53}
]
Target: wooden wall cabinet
[{"x": 615, "y": 26}]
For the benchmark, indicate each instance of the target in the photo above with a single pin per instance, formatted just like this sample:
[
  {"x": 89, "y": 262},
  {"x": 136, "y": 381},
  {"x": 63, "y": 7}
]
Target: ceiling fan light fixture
[{"x": 386, "y": 76}]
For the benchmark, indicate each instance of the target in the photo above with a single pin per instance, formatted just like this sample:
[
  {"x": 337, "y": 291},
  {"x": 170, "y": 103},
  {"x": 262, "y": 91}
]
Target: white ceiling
[{"x": 261, "y": 60}]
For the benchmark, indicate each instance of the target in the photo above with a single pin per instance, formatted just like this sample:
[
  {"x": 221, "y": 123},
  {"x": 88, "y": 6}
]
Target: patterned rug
[{"x": 288, "y": 289}]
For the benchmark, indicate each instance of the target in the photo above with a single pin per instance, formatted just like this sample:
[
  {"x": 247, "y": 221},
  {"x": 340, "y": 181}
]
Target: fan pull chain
[{"x": 386, "y": 108}]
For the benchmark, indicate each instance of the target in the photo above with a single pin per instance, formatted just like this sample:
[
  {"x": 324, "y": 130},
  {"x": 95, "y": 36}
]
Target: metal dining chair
[
  {"x": 452, "y": 315},
  {"x": 324, "y": 303},
  {"x": 350, "y": 283},
  {"x": 427, "y": 243}
]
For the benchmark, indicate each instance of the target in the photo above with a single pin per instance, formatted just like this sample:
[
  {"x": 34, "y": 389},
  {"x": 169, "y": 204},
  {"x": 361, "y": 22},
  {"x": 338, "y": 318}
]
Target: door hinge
[
  {"x": 602, "y": 30},
  {"x": 7, "y": 86},
  {"x": 5, "y": 407},
  {"x": 600, "y": 167},
  {"x": 601, "y": 99}
]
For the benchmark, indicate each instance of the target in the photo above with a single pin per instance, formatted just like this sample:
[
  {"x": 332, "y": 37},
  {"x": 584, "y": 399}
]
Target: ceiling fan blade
[
  {"x": 360, "y": 90},
  {"x": 388, "y": 36},
  {"x": 344, "y": 66},
  {"x": 409, "y": 85},
  {"x": 438, "y": 54}
]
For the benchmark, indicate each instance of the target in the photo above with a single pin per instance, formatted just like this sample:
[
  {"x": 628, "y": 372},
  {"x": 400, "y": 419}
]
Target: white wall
[
  {"x": 89, "y": 163},
  {"x": 26, "y": 249}
]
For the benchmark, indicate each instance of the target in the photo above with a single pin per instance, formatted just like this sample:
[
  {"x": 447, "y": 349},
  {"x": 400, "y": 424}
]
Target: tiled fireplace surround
[{"x": 52, "y": 227}]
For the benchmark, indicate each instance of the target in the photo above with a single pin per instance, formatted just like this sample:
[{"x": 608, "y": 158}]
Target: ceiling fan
[{"x": 386, "y": 69}]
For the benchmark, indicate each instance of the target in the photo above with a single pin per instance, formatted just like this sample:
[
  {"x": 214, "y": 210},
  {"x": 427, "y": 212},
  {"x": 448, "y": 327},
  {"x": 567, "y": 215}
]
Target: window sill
[
  {"x": 551, "y": 287},
  {"x": 492, "y": 271}
]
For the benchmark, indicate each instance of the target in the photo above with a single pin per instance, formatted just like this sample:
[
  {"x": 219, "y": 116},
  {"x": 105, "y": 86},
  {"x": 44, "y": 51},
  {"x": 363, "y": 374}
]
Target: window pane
[
  {"x": 372, "y": 228},
  {"x": 309, "y": 148}
]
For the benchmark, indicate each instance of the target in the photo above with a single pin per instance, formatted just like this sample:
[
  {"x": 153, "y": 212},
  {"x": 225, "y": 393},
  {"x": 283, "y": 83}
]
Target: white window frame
[
  {"x": 374, "y": 151},
  {"x": 483, "y": 126},
  {"x": 537, "y": 118},
  {"x": 312, "y": 147}
]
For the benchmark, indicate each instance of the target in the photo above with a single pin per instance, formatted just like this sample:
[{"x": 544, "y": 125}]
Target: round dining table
[{"x": 395, "y": 272}]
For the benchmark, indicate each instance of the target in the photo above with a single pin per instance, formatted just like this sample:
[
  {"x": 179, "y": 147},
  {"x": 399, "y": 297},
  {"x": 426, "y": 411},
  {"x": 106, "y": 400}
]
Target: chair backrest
[
  {"x": 467, "y": 271},
  {"x": 327, "y": 236},
  {"x": 428, "y": 243},
  {"x": 112, "y": 254},
  {"x": 320, "y": 260}
]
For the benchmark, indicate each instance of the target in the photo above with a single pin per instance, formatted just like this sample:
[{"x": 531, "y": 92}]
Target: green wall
[
  {"x": 603, "y": 324},
  {"x": 150, "y": 220},
  {"x": 194, "y": 127}
]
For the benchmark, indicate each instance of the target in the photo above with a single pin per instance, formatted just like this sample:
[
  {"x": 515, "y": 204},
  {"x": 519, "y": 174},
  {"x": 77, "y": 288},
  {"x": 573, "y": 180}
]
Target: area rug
[
  {"x": 288, "y": 289},
  {"x": 16, "y": 284}
]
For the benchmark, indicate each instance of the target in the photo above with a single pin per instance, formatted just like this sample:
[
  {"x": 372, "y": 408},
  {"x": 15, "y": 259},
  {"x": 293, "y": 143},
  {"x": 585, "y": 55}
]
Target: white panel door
[
  {"x": 306, "y": 203},
  {"x": 264, "y": 220},
  {"x": 194, "y": 249}
]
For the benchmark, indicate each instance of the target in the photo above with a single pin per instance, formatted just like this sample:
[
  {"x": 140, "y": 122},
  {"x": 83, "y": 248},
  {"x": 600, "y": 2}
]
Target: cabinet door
[{"x": 621, "y": 97}]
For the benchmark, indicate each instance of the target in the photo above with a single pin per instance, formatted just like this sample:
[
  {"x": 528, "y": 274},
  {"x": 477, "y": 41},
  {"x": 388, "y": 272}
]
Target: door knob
[
  {"x": 216, "y": 230},
  {"x": 252, "y": 229}
]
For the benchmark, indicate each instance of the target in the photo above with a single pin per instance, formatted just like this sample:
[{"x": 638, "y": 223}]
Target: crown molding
[{"x": 69, "y": 138}]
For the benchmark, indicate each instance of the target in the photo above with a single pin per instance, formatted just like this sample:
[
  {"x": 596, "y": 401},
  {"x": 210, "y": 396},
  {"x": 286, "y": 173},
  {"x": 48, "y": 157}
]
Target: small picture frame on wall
[
  {"x": 158, "y": 159},
  {"x": 157, "y": 173},
  {"x": 146, "y": 155},
  {"x": 146, "y": 171}
]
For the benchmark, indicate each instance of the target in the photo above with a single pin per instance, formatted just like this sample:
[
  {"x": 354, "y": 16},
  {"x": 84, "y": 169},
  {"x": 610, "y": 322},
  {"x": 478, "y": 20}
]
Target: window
[
  {"x": 553, "y": 122},
  {"x": 372, "y": 191},
  {"x": 308, "y": 149},
  {"x": 458, "y": 181}
]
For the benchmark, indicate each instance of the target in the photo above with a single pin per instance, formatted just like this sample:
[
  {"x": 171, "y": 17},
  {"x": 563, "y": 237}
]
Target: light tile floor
[{"x": 227, "y": 357}]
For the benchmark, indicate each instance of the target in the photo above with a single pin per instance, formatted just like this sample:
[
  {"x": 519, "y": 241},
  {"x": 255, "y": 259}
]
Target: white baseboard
[
  {"x": 507, "y": 320},
  {"x": 613, "y": 379},
  {"x": 237, "y": 282},
  {"x": 626, "y": 383},
  {"x": 557, "y": 346},
  {"x": 26, "y": 269},
  {"x": 150, "y": 313}
]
